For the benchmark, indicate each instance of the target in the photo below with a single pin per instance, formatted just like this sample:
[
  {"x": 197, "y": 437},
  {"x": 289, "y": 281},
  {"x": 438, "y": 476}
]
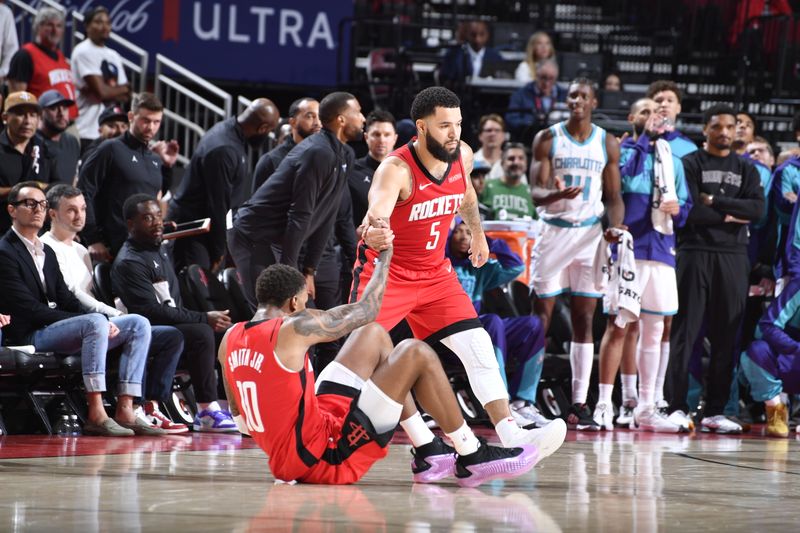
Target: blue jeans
[
  {"x": 88, "y": 334},
  {"x": 166, "y": 348}
]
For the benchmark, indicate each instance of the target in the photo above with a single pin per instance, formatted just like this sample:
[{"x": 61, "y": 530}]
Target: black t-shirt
[
  {"x": 35, "y": 164},
  {"x": 736, "y": 189},
  {"x": 66, "y": 152},
  {"x": 116, "y": 170}
]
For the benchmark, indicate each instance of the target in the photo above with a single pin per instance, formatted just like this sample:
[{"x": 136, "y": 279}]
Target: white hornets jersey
[{"x": 577, "y": 164}]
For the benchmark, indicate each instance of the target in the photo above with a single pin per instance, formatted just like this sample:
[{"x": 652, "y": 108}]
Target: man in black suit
[{"x": 46, "y": 314}]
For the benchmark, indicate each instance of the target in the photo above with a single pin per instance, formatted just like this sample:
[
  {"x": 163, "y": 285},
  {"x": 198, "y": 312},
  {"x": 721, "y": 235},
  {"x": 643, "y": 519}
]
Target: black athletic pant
[
  {"x": 199, "y": 357},
  {"x": 711, "y": 285},
  {"x": 327, "y": 296},
  {"x": 250, "y": 258}
]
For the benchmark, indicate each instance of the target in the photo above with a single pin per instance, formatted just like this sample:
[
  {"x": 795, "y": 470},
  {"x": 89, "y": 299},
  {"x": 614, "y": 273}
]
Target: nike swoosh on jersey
[{"x": 423, "y": 187}]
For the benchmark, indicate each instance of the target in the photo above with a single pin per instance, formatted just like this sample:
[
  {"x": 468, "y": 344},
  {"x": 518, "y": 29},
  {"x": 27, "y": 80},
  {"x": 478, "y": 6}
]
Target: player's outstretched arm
[
  {"x": 546, "y": 188},
  {"x": 313, "y": 326}
]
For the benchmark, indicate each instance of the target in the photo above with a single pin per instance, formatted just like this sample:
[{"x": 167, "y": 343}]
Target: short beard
[
  {"x": 304, "y": 133},
  {"x": 353, "y": 134},
  {"x": 638, "y": 130},
  {"x": 514, "y": 178},
  {"x": 438, "y": 150},
  {"x": 53, "y": 127},
  {"x": 256, "y": 142}
]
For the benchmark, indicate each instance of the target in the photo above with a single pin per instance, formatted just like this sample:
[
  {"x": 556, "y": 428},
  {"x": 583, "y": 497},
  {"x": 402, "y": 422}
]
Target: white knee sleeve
[
  {"x": 474, "y": 348},
  {"x": 382, "y": 411},
  {"x": 648, "y": 355}
]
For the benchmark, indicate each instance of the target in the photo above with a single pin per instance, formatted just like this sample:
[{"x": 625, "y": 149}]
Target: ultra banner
[{"x": 272, "y": 41}]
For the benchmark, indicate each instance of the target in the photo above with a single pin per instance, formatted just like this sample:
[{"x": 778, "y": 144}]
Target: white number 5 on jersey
[{"x": 435, "y": 234}]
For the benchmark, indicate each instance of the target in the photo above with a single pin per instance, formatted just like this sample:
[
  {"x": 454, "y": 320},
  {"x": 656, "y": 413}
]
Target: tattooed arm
[{"x": 311, "y": 326}]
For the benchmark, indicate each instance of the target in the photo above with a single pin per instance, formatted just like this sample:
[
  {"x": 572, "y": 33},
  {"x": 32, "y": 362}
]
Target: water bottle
[
  {"x": 63, "y": 426},
  {"x": 75, "y": 426}
]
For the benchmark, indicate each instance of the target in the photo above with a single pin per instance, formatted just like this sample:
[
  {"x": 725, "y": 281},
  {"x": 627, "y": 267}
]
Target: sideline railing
[{"x": 188, "y": 114}]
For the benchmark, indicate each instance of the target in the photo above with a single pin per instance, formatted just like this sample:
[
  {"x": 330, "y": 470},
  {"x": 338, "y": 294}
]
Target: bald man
[
  {"x": 217, "y": 180},
  {"x": 639, "y": 112}
]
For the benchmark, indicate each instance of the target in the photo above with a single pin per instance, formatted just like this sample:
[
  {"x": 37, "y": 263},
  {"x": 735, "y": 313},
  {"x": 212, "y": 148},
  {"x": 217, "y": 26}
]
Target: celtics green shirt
[{"x": 515, "y": 200}]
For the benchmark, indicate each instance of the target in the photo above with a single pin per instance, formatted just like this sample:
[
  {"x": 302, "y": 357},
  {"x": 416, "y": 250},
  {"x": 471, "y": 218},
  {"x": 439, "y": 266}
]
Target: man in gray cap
[{"x": 63, "y": 146}]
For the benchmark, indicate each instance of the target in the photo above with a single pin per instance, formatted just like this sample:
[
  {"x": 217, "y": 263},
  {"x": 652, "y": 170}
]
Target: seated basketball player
[{"x": 334, "y": 432}]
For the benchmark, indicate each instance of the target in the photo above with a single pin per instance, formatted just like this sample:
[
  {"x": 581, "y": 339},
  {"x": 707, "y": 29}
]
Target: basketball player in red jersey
[
  {"x": 334, "y": 432},
  {"x": 417, "y": 191}
]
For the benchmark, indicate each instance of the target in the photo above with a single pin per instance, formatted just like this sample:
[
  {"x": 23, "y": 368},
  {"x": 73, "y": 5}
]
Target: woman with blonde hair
[{"x": 540, "y": 47}]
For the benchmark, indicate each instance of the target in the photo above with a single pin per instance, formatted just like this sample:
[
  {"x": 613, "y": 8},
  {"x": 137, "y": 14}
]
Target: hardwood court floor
[{"x": 608, "y": 482}]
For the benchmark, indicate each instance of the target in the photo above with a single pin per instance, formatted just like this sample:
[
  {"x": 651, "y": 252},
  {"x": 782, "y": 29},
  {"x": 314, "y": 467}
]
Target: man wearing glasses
[
  {"x": 530, "y": 106},
  {"x": 22, "y": 156},
  {"x": 492, "y": 135},
  {"x": 47, "y": 315}
]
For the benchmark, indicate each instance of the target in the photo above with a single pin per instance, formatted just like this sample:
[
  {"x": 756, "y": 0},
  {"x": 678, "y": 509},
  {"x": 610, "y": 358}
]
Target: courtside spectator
[
  {"x": 381, "y": 138},
  {"x": 612, "y": 83},
  {"x": 67, "y": 212},
  {"x": 303, "y": 121},
  {"x": 531, "y": 104},
  {"x": 23, "y": 156},
  {"x": 118, "y": 169},
  {"x": 64, "y": 148},
  {"x": 47, "y": 315},
  {"x": 539, "y": 48},
  {"x": 98, "y": 73},
  {"x": 510, "y": 197},
  {"x": 217, "y": 180},
  {"x": 145, "y": 281},
  {"x": 466, "y": 61},
  {"x": 492, "y": 135},
  {"x": 40, "y": 66},
  {"x": 478, "y": 178}
]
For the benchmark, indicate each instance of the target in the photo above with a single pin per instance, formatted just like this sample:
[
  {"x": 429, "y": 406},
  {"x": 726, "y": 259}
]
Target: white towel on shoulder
[
  {"x": 663, "y": 187},
  {"x": 621, "y": 296}
]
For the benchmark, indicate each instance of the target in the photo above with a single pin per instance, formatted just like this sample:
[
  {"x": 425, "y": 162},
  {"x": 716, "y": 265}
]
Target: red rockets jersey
[
  {"x": 420, "y": 223},
  {"x": 278, "y": 405}
]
